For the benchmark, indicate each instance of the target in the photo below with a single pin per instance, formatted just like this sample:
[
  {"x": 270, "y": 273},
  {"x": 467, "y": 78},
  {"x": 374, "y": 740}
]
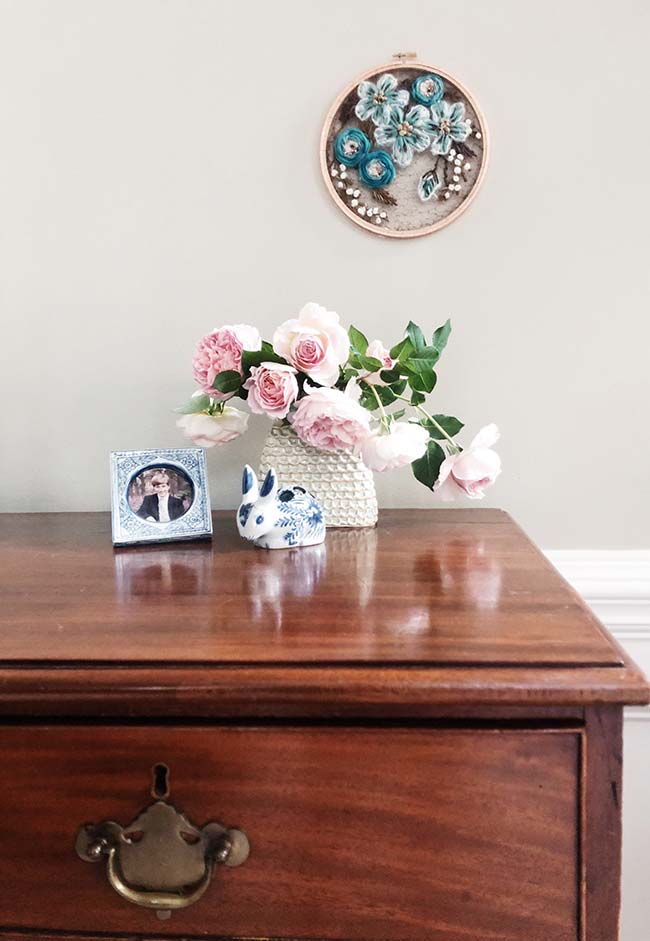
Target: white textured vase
[{"x": 339, "y": 480}]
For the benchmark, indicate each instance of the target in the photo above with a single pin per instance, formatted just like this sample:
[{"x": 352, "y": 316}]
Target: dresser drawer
[{"x": 443, "y": 834}]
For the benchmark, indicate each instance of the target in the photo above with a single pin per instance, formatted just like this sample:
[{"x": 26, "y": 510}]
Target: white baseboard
[{"x": 616, "y": 586}]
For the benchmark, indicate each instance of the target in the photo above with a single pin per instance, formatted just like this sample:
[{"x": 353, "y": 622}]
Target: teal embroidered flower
[
  {"x": 376, "y": 169},
  {"x": 449, "y": 122},
  {"x": 407, "y": 134},
  {"x": 378, "y": 101},
  {"x": 428, "y": 89},
  {"x": 350, "y": 146}
]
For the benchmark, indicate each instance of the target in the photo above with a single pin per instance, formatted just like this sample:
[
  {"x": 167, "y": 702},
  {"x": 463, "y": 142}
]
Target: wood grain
[
  {"x": 409, "y": 834},
  {"x": 423, "y": 588}
]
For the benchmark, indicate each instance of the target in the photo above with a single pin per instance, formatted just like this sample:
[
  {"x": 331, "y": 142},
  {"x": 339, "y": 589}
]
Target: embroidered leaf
[
  {"x": 382, "y": 195},
  {"x": 429, "y": 185},
  {"x": 426, "y": 469}
]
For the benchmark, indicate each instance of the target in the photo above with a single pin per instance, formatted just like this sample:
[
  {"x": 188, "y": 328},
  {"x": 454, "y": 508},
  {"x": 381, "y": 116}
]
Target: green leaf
[
  {"x": 198, "y": 403},
  {"x": 369, "y": 363},
  {"x": 395, "y": 416},
  {"x": 349, "y": 373},
  {"x": 357, "y": 340},
  {"x": 427, "y": 468},
  {"x": 251, "y": 358},
  {"x": 423, "y": 359},
  {"x": 440, "y": 337},
  {"x": 451, "y": 425},
  {"x": 267, "y": 347},
  {"x": 423, "y": 381},
  {"x": 402, "y": 350},
  {"x": 415, "y": 335},
  {"x": 390, "y": 375},
  {"x": 417, "y": 398},
  {"x": 386, "y": 395},
  {"x": 227, "y": 381}
]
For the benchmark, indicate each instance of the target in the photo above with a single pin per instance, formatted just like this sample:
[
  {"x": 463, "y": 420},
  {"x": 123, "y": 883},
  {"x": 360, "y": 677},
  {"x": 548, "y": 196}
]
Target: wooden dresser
[{"x": 415, "y": 729}]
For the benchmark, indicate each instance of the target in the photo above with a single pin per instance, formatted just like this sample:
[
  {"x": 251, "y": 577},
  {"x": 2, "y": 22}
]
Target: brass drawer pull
[{"x": 161, "y": 860}]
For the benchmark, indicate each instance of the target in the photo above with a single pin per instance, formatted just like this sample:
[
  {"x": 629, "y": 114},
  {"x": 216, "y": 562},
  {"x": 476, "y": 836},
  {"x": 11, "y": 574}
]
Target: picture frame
[
  {"x": 432, "y": 186},
  {"x": 159, "y": 495}
]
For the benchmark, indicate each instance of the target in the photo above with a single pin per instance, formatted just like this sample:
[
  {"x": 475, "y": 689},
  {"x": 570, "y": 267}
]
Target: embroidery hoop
[{"x": 402, "y": 61}]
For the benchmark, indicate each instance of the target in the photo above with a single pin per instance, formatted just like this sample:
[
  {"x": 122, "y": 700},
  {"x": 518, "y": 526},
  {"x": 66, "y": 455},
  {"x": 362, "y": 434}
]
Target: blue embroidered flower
[
  {"x": 406, "y": 134},
  {"x": 376, "y": 169},
  {"x": 379, "y": 101},
  {"x": 351, "y": 146},
  {"x": 428, "y": 89},
  {"x": 449, "y": 121}
]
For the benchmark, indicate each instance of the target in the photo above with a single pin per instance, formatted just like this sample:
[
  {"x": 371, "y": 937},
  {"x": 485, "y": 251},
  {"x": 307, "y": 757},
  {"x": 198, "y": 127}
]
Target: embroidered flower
[
  {"x": 351, "y": 146},
  {"x": 449, "y": 122},
  {"x": 428, "y": 89},
  {"x": 378, "y": 101},
  {"x": 407, "y": 134},
  {"x": 376, "y": 169}
]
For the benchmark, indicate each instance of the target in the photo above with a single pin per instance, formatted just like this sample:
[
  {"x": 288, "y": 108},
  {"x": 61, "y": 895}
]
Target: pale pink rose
[
  {"x": 377, "y": 350},
  {"x": 315, "y": 343},
  {"x": 208, "y": 430},
  {"x": 272, "y": 389},
  {"x": 470, "y": 472},
  {"x": 220, "y": 351},
  {"x": 330, "y": 419},
  {"x": 404, "y": 443}
]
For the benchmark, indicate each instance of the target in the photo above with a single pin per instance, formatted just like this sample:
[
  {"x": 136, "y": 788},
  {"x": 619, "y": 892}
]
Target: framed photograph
[{"x": 159, "y": 496}]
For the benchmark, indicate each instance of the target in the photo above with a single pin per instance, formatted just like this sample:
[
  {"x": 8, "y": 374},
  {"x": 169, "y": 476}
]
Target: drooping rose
[
  {"x": 208, "y": 430},
  {"x": 314, "y": 342},
  {"x": 272, "y": 389},
  {"x": 377, "y": 350},
  {"x": 470, "y": 472},
  {"x": 404, "y": 443},
  {"x": 220, "y": 351},
  {"x": 330, "y": 419}
]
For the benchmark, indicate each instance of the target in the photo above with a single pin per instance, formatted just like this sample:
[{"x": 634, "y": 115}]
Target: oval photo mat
[{"x": 376, "y": 163}]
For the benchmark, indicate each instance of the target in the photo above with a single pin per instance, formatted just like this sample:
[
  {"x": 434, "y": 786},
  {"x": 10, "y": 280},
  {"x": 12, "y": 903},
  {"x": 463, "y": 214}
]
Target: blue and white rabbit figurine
[{"x": 278, "y": 520}]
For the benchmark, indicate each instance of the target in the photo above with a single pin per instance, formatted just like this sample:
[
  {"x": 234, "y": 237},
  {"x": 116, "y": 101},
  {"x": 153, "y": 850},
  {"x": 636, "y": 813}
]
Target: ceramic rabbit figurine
[{"x": 275, "y": 520}]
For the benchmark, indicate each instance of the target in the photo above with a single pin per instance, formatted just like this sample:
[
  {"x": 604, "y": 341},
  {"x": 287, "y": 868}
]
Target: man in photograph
[{"x": 160, "y": 506}]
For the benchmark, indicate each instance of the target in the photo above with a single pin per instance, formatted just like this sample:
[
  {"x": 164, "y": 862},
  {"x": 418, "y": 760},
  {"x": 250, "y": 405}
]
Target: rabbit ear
[
  {"x": 249, "y": 485},
  {"x": 269, "y": 488}
]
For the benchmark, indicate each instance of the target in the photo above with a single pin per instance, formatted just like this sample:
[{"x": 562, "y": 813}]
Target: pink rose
[
  {"x": 315, "y": 343},
  {"x": 377, "y": 350},
  {"x": 330, "y": 419},
  {"x": 208, "y": 430},
  {"x": 470, "y": 472},
  {"x": 220, "y": 351},
  {"x": 403, "y": 444},
  {"x": 272, "y": 388}
]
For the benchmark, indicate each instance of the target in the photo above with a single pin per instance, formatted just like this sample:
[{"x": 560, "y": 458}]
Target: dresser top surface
[{"x": 424, "y": 587}]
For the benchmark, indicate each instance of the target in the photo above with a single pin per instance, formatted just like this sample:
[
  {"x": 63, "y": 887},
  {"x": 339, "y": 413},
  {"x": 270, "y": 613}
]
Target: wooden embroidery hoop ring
[{"x": 402, "y": 60}]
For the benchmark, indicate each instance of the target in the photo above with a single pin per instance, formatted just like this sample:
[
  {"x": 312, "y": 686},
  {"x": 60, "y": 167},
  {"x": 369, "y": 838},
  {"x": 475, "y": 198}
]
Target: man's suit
[{"x": 149, "y": 507}]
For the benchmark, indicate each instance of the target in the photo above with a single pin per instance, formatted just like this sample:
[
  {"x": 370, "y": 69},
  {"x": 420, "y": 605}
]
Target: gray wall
[{"x": 159, "y": 176}]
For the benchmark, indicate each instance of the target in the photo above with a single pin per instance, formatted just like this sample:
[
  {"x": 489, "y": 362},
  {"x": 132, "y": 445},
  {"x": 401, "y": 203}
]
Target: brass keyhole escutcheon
[{"x": 161, "y": 860}]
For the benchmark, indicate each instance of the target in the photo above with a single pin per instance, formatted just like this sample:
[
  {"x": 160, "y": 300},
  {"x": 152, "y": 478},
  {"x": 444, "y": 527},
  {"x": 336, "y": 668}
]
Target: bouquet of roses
[{"x": 339, "y": 392}]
